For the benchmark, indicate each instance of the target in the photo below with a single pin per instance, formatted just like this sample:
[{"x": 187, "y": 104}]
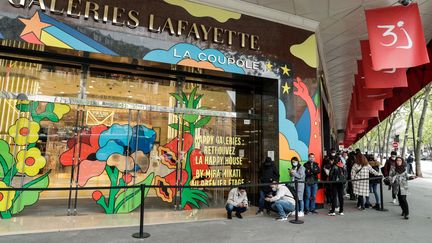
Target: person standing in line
[
  {"x": 298, "y": 174},
  {"x": 399, "y": 180},
  {"x": 312, "y": 170},
  {"x": 373, "y": 184},
  {"x": 386, "y": 172},
  {"x": 410, "y": 161},
  {"x": 325, "y": 170},
  {"x": 360, "y": 172},
  {"x": 338, "y": 175},
  {"x": 237, "y": 201},
  {"x": 267, "y": 174},
  {"x": 283, "y": 202},
  {"x": 349, "y": 165}
]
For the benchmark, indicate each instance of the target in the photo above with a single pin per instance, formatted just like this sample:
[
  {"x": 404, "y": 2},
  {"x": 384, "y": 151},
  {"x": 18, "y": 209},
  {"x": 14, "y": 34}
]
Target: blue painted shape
[
  {"x": 121, "y": 134},
  {"x": 110, "y": 148},
  {"x": 303, "y": 125},
  {"x": 144, "y": 141},
  {"x": 288, "y": 129},
  {"x": 76, "y": 34},
  {"x": 176, "y": 53},
  {"x": 1, "y": 36},
  {"x": 70, "y": 40}
]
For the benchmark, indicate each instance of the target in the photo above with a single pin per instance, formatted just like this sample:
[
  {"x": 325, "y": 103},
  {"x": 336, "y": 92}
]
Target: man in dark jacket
[
  {"x": 267, "y": 174},
  {"x": 312, "y": 171},
  {"x": 386, "y": 170}
]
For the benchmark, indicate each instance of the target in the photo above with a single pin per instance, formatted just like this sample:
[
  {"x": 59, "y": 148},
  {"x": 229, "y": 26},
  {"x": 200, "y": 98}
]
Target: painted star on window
[
  {"x": 286, "y": 70},
  {"x": 286, "y": 88},
  {"x": 34, "y": 25},
  {"x": 269, "y": 66}
]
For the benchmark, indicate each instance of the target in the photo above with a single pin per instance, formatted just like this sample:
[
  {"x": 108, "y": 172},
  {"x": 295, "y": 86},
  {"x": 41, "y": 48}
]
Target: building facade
[{"x": 172, "y": 92}]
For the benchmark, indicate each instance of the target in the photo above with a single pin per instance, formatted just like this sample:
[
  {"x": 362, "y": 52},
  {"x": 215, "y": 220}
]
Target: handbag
[{"x": 387, "y": 181}]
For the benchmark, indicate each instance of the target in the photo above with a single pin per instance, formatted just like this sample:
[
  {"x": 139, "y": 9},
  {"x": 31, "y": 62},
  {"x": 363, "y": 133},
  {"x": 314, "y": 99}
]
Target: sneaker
[
  {"x": 395, "y": 201},
  {"x": 282, "y": 219},
  {"x": 341, "y": 214},
  {"x": 229, "y": 216},
  {"x": 260, "y": 212},
  {"x": 289, "y": 214},
  {"x": 331, "y": 214},
  {"x": 406, "y": 217},
  {"x": 238, "y": 215},
  {"x": 367, "y": 205},
  {"x": 314, "y": 212},
  {"x": 306, "y": 212},
  {"x": 301, "y": 214}
]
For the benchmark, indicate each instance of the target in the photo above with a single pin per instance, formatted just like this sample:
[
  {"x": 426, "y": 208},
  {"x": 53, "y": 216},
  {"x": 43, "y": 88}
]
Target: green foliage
[
  {"x": 176, "y": 127},
  {"x": 130, "y": 199},
  {"x": 193, "y": 197},
  {"x": 6, "y": 158},
  {"x": 28, "y": 198}
]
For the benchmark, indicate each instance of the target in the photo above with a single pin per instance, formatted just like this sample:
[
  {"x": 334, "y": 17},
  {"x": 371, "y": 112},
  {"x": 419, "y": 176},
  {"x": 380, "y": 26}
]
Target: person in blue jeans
[
  {"x": 283, "y": 202},
  {"x": 237, "y": 201},
  {"x": 312, "y": 170}
]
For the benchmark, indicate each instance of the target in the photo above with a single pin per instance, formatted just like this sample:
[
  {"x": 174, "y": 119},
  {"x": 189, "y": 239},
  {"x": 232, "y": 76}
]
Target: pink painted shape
[
  {"x": 31, "y": 38},
  {"x": 90, "y": 169}
]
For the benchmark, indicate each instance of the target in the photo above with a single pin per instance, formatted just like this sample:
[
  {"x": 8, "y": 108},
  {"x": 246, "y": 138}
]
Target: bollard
[
  {"x": 141, "y": 234},
  {"x": 296, "y": 220},
  {"x": 382, "y": 196}
]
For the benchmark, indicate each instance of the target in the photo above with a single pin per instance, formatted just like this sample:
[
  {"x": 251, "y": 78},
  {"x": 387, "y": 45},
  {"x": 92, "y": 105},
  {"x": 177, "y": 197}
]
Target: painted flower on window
[
  {"x": 60, "y": 110},
  {"x": 6, "y": 197},
  {"x": 30, "y": 161},
  {"x": 24, "y": 131}
]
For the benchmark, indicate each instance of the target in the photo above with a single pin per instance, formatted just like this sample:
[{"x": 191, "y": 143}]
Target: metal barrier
[{"x": 142, "y": 235}]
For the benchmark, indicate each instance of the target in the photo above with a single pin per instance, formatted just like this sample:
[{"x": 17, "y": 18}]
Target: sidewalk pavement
[{"x": 355, "y": 226}]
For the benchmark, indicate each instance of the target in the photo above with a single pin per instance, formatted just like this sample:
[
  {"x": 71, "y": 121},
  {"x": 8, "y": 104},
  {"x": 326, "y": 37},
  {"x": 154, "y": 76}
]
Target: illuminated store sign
[{"x": 132, "y": 19}]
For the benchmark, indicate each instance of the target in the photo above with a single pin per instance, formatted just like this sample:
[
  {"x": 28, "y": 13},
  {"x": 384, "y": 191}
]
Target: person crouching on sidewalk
[
  {"x": 283, "y": 202},
  {"x": 237, "y": 201}
]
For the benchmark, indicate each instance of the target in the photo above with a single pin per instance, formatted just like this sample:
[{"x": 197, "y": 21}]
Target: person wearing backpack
[{"x": 337, "y": 174}]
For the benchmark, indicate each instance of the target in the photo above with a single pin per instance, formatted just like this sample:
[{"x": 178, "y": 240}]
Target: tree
[{"x": 419, "y": 140}]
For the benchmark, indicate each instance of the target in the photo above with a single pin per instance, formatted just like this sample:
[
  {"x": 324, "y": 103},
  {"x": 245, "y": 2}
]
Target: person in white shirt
[
  {"x": 237, "y": 201},
  {"x": 283, "y": 202}
]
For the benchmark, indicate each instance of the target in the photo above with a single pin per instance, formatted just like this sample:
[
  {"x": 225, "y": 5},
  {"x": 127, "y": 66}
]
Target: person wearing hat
[{"x": 386, "y": 171}]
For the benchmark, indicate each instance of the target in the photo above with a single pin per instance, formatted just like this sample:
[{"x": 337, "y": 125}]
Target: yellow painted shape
[
  {"x": 307, "y": 51},
  {"x": 285, "y": 152},
  {"x": 50, "y": 40},
  {"x": 201, "y": 10}
]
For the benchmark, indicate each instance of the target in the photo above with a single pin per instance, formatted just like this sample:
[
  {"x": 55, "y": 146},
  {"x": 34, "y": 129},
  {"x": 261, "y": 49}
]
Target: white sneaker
[
  {"x": 282, "y": 219},
  {"x": 395, "y": 201},
  {"x": 289, "y": 214},
  {"x": 341, "y": 214},
  {"x": 331, "y": 214},
  {"x": 337, "y": 209},
  {"x": 301, "y": 214}
]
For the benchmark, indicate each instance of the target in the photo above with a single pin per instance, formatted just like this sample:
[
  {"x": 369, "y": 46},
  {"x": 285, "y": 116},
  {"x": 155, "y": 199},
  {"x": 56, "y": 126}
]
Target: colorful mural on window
[
  {"x": 286, "y": 54},
  {"x": 23, "y": 158}
]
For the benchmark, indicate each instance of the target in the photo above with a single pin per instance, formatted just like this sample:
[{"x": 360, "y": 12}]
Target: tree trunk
[
  {"x": 384, "y": 142},
  {"x": 406, "y": 134},
  {"x": 420, "y": 130}
]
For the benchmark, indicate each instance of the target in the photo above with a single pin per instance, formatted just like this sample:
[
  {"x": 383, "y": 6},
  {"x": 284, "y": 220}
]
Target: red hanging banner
[
  {"x": 396, "y": 37},
  {"x": 387, "y": 78}
]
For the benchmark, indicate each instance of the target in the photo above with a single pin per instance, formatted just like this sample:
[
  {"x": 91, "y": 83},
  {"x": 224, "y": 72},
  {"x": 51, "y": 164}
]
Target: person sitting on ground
[
  {"x": 237, "y": 201},
  {"x": 298, "y": 174},
  {"x": 283, "y": 202},
  {"x": 399, "y": 181},
  {"x": 267, "y": 174},
  {"x": 337, "y": 175}
]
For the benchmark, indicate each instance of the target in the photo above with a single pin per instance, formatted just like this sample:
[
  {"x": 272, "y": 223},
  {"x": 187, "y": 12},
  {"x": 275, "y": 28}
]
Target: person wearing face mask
[
  {"x": 283, "y": 202},
  {"x": 297, "y": 173},
  {"x": 237, "y": 201},
  {"x": 399, "y": 181},
  {"x": 386, "y": 171},
  {"x": 312, "y": 170},
  {"x": 338, "y": 175}
]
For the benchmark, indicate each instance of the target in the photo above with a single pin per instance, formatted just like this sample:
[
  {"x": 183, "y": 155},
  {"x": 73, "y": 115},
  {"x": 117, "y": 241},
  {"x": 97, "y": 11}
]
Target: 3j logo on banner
[{"x": 389, "y": 33}]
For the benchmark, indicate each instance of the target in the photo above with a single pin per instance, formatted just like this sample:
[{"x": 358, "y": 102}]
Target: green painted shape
[
  {"x": 28, "y": 198},
  {"x": 6, "y": 158},
  {"x": 193, "y": 197},
  {"x": 176, "y": 127},
  {"x": 47, "y": 114},
  {"x": 202, "y": 122},
  {"x": 23, "y": 107},
  {"x": 130, "y": 199},
  {"x": 317, "y": 97}
]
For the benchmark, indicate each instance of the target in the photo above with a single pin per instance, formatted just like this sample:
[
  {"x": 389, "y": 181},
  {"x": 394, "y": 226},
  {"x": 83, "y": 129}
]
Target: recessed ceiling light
[
  {"x": 214, "y": 107},
  {"x": 130, "y": 96},
  {"x": 131, "y": 86},
  {"x": 91, "y": 86},
  {"x": 93, "y": 81},
  {"x": 61, "y": 92}
]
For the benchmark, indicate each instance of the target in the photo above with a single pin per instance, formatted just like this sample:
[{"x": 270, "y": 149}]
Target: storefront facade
[{"x": 115, "y": 93}]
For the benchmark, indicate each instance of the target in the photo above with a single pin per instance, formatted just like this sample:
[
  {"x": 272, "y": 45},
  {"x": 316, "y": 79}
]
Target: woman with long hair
[
  {"x": 399, "y": 181},
  {"x": 360, "y": 173},
  {"x": 298, "y": 174}
]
